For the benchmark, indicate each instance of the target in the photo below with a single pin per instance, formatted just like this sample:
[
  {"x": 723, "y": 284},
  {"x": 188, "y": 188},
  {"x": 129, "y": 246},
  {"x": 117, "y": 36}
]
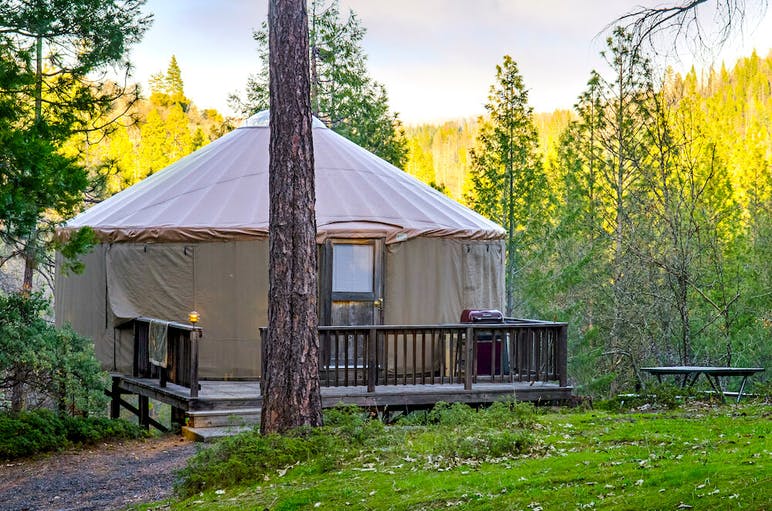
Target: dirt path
[{"x": 108, "y": 476}]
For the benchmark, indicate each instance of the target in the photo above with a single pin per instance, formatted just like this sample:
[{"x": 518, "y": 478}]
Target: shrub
[
  {"x": 457, "y": 431},
  {"x": 513, "y": 414},
  {"x": 762, "y": 390},
  {"x": 444, "y": 435},
  {"x": 56, "y": 367},
  {"x": 40, "y": 431},
  {"x": 456, "y": 414},
  {"x": 251, "y": 456},
  {"x": 660, "y": 396}
]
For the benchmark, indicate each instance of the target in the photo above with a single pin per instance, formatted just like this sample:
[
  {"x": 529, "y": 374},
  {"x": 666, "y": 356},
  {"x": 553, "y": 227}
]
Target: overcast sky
[{"x": 436, "y": 58}]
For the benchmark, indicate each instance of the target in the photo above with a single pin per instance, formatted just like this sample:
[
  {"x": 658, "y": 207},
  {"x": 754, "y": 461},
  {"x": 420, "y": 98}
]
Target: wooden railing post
[
  {"x": 372, "y": 362},
  {"x": 115, "y": 398},
  {"x": 194, "y": 335},
  {"x": 563, "y": 355},
  {"x": 143, "y": 406},
  {"x": 263, "y": 362},
  {"x": 469, "y": 355},
  {"x": 136, "y": 351}
]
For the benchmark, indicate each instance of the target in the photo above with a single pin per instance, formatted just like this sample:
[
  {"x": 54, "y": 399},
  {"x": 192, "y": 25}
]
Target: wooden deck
[{"x": 390, "y": 368}]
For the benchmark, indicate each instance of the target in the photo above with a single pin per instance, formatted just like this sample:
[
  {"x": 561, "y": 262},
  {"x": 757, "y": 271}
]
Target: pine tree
[
  {"x": 624, "y": 119},
  {"x": 58, "y": 49},
  {"x": 167, "y": 89},
  {"x": 167, "y": 127},
  {"x": 508, "y": 182},
  {"x": 343, "y": 96},
  {"x": 291, "y": 396},
  {"x": 603, "y": 153}
]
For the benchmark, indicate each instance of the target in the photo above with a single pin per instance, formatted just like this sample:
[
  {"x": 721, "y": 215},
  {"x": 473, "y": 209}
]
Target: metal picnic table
[{"x": 712, "y": 374}]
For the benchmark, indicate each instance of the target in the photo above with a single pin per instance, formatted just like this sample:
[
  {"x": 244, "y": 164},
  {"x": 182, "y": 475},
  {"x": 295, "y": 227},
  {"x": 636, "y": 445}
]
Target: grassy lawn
[{"x": 509, "y": 457}]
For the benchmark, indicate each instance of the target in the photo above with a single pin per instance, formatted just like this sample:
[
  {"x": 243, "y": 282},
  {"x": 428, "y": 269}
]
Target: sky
[{"x": 436, "y": 58}]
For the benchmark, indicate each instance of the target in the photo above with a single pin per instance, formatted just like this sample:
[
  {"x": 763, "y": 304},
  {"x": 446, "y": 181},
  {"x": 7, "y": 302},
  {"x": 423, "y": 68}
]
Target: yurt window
[
  {"x": 352, "y": 270},
  {"x": 351, "y": 282}
]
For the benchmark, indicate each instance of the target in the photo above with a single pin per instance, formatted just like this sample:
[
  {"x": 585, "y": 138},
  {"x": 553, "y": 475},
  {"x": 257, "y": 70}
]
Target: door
[
  {"x": 352, "y": 282},
  {"x": 351, "y": 292}
]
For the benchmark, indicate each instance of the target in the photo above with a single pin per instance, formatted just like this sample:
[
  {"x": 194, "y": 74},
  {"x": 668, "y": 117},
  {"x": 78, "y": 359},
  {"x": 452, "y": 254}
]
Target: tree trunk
[
  {"x": 291, "y": 389},
  {"x": 30, "y": 256},
  {"x": 17, "y": 391}
]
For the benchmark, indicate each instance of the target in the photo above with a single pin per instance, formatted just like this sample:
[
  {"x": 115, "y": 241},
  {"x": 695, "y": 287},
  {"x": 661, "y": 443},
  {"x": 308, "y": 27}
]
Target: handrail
[
  {"x": 173, "y": 324},
  {"x": 523, "y": 350},
  {"x": 182, "y": 354},
  {"x": 519, "y": 323}
]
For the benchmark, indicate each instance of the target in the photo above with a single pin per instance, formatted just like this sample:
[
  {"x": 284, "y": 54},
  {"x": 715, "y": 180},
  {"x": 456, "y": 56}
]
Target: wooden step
[
  {"x": 212, "y": 434},
  {"x": 223, "y": 418}
]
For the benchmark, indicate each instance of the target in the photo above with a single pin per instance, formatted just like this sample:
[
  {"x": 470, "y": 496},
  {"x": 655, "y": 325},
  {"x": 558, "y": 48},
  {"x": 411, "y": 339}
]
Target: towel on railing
[{"x": 156, "y": 342}]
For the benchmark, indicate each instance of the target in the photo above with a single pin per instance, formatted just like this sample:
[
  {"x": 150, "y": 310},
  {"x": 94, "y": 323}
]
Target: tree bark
[
  {"x": 291, "y": 395},
  {"x": 30, "y": 249}
]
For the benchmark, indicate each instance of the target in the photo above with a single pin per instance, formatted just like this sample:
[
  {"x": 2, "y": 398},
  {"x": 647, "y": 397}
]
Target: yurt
[{"x": 194, "y": 236}]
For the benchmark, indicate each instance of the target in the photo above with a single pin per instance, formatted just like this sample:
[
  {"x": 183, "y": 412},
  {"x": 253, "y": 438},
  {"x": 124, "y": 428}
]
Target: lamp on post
[{"x": 193, "y": 318}]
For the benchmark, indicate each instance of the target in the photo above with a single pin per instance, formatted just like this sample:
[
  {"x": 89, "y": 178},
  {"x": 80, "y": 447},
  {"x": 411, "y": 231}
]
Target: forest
[
  {"x": 642, "y": 217},
  {"x": 648, "y": 227}
]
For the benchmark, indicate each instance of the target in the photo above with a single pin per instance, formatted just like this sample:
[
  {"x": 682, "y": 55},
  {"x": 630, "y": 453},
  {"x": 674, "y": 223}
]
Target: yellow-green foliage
[
  {"x": 157, "y": 131},
  {"x": 439, "y": 153}
]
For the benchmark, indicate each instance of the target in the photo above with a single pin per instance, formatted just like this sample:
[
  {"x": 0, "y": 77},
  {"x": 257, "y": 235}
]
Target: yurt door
[
  {"x": 351, "y": 286},
  {"x": 351, "y": 293}
]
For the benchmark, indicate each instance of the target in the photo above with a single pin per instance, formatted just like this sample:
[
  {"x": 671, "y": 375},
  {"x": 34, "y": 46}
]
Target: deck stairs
[{"x": 210, "y": 425}]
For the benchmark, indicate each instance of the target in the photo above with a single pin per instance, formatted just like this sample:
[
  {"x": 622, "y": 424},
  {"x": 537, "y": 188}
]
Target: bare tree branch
[{"x": 705, "y": 25}]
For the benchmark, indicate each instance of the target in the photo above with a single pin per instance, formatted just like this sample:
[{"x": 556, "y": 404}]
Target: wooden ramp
[{"x": 227, "y": 407}]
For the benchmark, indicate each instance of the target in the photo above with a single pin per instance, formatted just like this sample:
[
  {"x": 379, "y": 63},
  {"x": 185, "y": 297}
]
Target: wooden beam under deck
[{"x": 235, "y": 395}]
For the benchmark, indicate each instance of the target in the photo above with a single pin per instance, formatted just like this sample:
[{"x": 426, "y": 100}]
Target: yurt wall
[
  {"x": 431, "y": 280},
  {"x": 81, "y": 301},
  {"x": 428, "y": 280}
]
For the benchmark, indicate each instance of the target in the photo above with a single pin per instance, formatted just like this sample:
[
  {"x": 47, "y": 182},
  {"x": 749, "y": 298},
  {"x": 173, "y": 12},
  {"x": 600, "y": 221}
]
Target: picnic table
[{"x": 690, "y": 375}]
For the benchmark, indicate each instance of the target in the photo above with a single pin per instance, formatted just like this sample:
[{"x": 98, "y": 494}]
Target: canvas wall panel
[
  {"x": 431, "y": 280},
  {"x": 81, "y": 301},
  {"x": 483, "y": 275},
  {"x": 152, "y": 280},
  {"x": 423, "y": 282},
  {"x": 231, "y": 295}
]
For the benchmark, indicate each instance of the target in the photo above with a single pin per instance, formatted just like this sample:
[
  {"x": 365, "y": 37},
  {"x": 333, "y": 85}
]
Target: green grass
[{"x": 506, "y": 457}]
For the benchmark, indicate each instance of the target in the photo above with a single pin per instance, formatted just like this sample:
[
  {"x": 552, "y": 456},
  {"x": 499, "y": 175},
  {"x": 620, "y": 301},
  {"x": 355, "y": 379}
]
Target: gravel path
[{"x": 104, "y": 477}]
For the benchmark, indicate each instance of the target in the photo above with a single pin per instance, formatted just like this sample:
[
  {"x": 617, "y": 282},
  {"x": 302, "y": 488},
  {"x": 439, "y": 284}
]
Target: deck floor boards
[{"x": 246, "y": 394}]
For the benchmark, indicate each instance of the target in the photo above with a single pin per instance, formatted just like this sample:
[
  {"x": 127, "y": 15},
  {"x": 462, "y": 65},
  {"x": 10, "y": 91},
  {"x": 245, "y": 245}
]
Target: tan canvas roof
[{"x": 220, "y": 192}]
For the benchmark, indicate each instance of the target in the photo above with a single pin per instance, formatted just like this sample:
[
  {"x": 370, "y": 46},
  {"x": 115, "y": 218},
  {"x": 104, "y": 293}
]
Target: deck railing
[
  {"x": 516, "y": 351},
  {"x": 181, "y": 353}
]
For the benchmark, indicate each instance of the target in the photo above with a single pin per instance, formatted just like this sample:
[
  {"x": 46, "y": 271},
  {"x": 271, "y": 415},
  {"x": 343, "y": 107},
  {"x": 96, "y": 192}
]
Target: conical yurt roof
[{"x": 220, "y": 192}]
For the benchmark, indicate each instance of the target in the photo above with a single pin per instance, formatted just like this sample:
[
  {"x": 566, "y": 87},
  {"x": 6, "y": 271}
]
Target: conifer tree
[
  {"x": 168, "y": 89},
  {"x": 603, "y": 155},
  {"x": 508, "y": 181},
  {"x": 291, "y": 395},
  {"x": 343, "y": 96},
  {"x": 624, "y": 120},
  {"x": 59, "y": 49}
]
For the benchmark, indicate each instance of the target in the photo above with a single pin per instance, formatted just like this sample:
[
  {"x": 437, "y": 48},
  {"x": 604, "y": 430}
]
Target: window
[{"x": 352, "y": 268}]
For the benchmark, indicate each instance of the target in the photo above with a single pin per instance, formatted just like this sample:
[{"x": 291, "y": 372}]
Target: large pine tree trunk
[{"x": 291, "y": 390}]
